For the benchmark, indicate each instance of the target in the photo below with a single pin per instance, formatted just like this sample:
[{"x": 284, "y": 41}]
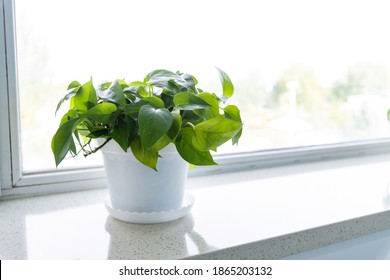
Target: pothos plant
[{"x": 145, "y": 116}]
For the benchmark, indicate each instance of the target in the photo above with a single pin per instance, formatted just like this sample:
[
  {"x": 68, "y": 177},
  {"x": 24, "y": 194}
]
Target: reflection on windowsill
[{"x": 154, "y": 241}]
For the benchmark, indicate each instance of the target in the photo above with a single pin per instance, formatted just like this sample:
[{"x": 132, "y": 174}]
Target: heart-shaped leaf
[
  {"x": 112, "y": 93},
  {"x": 153, "y": 124},
  {"x": 101, "y": 112},
  {"x": 210, "y": 134},
  {"x": 149, "y": 157},
  {"x": 85, "y": 97},
  {"x": 62, "y": 139},
  {"x": 233, "y": 113},
  {"x": 187, "y": 150},
  {"x": 213, "y": 110}
]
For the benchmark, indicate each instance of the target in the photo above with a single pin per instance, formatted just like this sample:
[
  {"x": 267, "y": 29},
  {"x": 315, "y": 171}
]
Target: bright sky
[
  {"x": 116, "y": 38},
  {"x": 63, "y": 40}
]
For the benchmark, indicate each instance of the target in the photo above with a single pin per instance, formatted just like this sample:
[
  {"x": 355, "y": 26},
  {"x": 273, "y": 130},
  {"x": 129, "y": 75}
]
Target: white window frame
[
  {"x": 14, "y": 183},
  {"x": 5, "y": 149}
]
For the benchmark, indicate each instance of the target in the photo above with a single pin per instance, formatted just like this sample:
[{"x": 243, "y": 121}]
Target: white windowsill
[{"x": 257, "y": 214}]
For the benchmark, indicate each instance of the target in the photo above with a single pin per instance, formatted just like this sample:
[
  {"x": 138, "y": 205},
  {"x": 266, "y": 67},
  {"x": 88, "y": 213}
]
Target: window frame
[
  {"x": 14, "y": 183},
  {"x": 5, "y": 149}
]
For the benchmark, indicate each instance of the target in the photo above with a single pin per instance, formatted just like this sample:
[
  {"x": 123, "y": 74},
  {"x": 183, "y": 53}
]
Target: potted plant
[{"x": 148, "y": 132}]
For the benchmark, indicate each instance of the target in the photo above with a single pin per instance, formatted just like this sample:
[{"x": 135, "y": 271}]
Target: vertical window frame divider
[
  {"x": 5, "y": 140},
  {"x": 12, "y": 89},
  {"x": 6, "y": 172}
]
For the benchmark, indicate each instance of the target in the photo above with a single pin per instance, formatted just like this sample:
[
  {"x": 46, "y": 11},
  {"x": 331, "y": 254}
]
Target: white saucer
[{"x": 151, "y": 217}]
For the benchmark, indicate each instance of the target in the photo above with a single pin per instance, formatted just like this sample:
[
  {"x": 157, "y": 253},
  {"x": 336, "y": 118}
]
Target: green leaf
[
  {"x": 85, "y": 97},
  {"x": 175, "y": 127},
  {"x": 72, "y": 145},
  {"x": 149, "y": 158},
  {"x": 191, "y": 82},
  {"x": 97, "y": 133},
  {"x": 62, "y": 139},
  {"x": 161, "y": 75},
  {"x": 138, "y": 84},
  {"x": 89, "y": 130},
  {"x": 227, "y": 85},
  {"x": 168, "y": 100},
  {"x": 213, "y": 110},
  {"x": 102, "y": 112},
  {"x": 122, "y": 83},
  {"x": 66, "y": 97},
  {"x": 388, "y": 115},
  {"x": 122, "y": 131},
  {"x": 164, "y": 79},
  {"x": 133, "y": 109},
  {"x": 189, "y": 101},
  {"x": 190, "y": 116},
  {"x": 130, "y": 89},
  {"x": 233, "y": 113},
  {"x": 168, "y": 86},
  {"x": 153, "y": 124},
  {"x": 73, "y": 85},
  {"x": 142, "y": 92},
  {"x": 77, "y": 133},
  {"x": 161, "y": 143},
  {"x": 237, "y": 137},
  {"x": 71, "y": 114},
  {"x": 155, "y": 102},
  {"x": 185, "y": 147},
  {"x": 212, "y": 133},
  {"x": 112, "y": 93}
]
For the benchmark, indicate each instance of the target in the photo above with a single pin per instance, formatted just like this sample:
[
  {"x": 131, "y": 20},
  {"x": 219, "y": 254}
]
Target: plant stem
[
  {"x": 97, "y": 148},
  {"x": 190, "y": 125}
]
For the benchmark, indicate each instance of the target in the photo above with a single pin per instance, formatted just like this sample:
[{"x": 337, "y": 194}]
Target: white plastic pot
[{"x": 134, "y": 187}]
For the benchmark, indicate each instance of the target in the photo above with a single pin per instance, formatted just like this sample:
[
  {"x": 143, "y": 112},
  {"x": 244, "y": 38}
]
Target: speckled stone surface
[
  {"x": 161, "y": 241},
  {"x": 255, "y": 214},
  {"x": 298, "y": 242}
]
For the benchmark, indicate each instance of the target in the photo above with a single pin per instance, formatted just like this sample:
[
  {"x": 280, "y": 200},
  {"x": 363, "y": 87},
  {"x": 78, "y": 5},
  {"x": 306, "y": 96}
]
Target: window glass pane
[{"x": 305, "y": 72}]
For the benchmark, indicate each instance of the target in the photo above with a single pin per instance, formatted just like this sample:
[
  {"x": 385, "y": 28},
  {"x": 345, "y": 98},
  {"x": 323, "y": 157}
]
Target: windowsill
[{"x": 257, "y": 214}]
